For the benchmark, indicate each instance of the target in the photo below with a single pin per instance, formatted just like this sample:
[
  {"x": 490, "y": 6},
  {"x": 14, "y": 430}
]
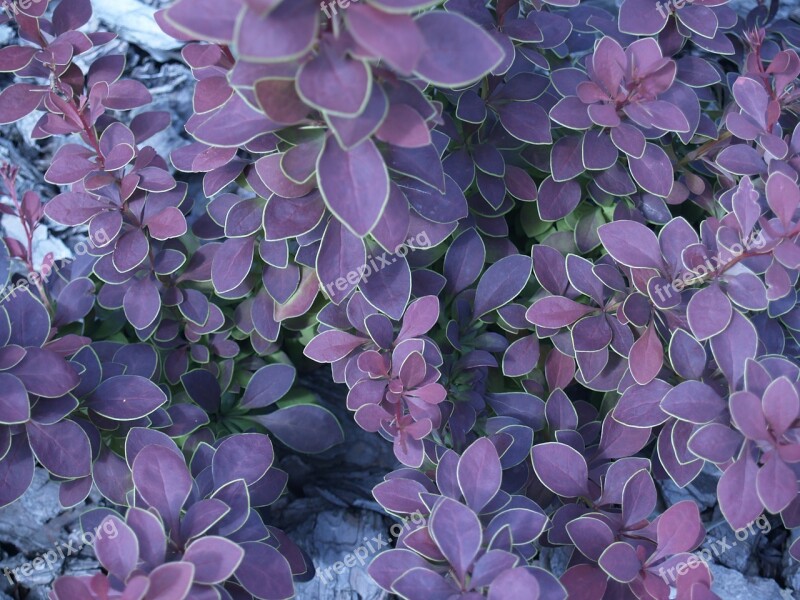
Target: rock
[
  {"x": 732, "y": 551},
  {"x": 172, "y": 88},
  {"x": 7, "y": 35},
  {"x": 791, "y": 568},
  {"x": 336, "y": 488},
  {"x": 331, "y": 537},
  {"x": 31, "y": 528},
  {"x": 703, "y": 490},
  {"x": 134, "y": 22},
  {"x": 554, "y": 559},
  {"x": 732, "y": 585},
  {"x": 43, "y": 242}
]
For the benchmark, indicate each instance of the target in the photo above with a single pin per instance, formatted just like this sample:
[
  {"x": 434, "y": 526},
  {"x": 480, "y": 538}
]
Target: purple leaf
[
  {"x": 171, "y": 580},
  {"x": 19, "y": 100},
  {"x": 126, "y": 397},
  {"x": 783, "y": 197},
  {"x": 243, "y": 456},
  {"x": 163, "y": 481},
  {"x": 395, "y": 38},
  {"x": 330, "y": 346},
  {"x": 235, "y": 123},
  {"x": 642, "y": 17},
  {"x": 679, "y": 528},
  {"x": 653, "y": 171},
  {"x": 693, "y": 401},
  {"x": 354, "y": 184},
  {"x": 150, "y": 534},
  {"x": 203, "y": 388},
  {"x": 746, "y": 411},
  {"x": 638, "y": 498},
  {"x": 341, "y": 261},
  {"x": 443, "y": 31},
  {"x": 555, "y": 312},
  {"x": 268, "y": 385},
  {"x": 646, "y": 356},
  {"x": 557, "y": 199},
  {"x": 264, "y": 572},
  {"x": 284, "y": 217},
  {"x": 202, "y": 516},
  {"x": 736, "y": 490},
  {"x": 687, "y": 355},
  {"x": 566, "y": 160},
  {"x": 734, "y": 345},
  {"x": 631, "y": 244},
  {"x": 389, "y": 287},
  {"x": 62, "y": 448},
  {"x": 526, "y": 121},
  {"x": 776, "y": 484},
  {"x": 400, "y": 495},
  {"x": 14, "y": 404},
  {"x": 29, "y": 319},
  {"x": 127, "y": 94},
  {"x": 16, "y": 470},
  {"x": 629, "y": 139},
  {"x": 457, "y": 532},
  {"x": 131, "y": 250},
  {"x": 196, "y": 18},
  {"x": 120, "y": 554},
  {"x": 402, "y": 6},
  {"x": 640, "y": 405},
  {"x": 715, "y": 442},
  {"x": 620, "y": 561},
  {"x": 501, "y": 283},
  {"x": 741, "y": 159},
  {"x": 404, "y": 127},
  {"x": 287, "y": 31},
  {"x": 389, "y": 566},
  {"x": 304, "y": 427},
  {"x": 590, "y": 536},
  {"x": 521, "y": 357},
  {"x": 479, "y": 474},
  {"x": 74, "y": 208},
  {"x": 421, "y": 582},
  {"x": 232, "y": 263},
  {"x": 781, "y": 405},
  {"x": 15, "y": 58},
  {"x": 560, "y": 468},
  {"x": 215, "y": 558},
  {"x": 169, "y": 223},
  {"x": 333, "y": 82},
  {"x": 142, "y": 303},
  {"x": 709, "y": 312},
  {"x": 514, "y": 583},
  {"x": 464, "y": 260},
  {"x": 61, "y": 377}
]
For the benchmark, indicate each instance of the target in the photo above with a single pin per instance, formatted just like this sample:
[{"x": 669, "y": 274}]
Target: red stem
[{"x": 10, "y": 183}]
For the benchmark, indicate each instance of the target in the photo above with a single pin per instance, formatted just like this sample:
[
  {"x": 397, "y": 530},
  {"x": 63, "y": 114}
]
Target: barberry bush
[{"x": 549, "y": 248}]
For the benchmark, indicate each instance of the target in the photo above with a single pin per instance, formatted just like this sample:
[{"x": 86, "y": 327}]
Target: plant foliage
[{"x": 606, "y": 296}]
